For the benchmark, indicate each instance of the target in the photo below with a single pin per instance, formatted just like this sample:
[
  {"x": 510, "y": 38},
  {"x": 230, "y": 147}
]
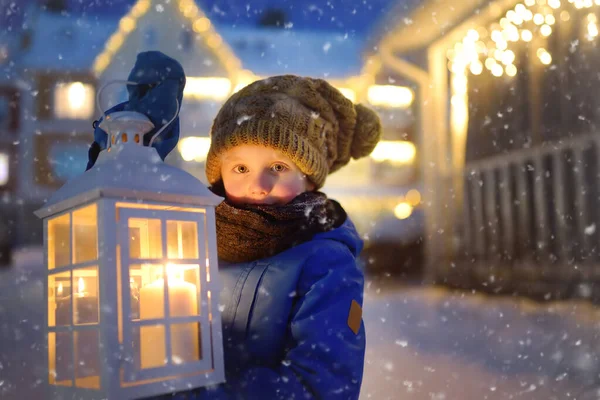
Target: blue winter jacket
[{"x": 287, "y": 323}]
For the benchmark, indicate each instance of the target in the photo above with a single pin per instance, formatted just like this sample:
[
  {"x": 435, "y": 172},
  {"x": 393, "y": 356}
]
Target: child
[{"x": 292, "y": 290}]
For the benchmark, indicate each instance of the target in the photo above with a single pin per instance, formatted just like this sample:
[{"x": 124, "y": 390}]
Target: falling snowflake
[{"x": 243, "y": 119}]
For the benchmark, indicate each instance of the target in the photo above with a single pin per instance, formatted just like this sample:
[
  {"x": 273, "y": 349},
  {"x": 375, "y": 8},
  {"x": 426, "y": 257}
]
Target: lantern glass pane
[
  {"x": 182, "y": 239},
  {"x": 59, "y": 241},
  {"x": 150, "y": 297},
  {"x": 85, "y": 297},
  {"x": 60, "y": 359},
  {"x": 184, "y": 289},
  {"x": 153, "y": 352},
  {"x": 145, "y": 238},
  {"x": 59, "y": 299},
  {"x": 85, "y": 234},
  {"x": 185, "y": 343},
  {"x": 87, "y": 359}
]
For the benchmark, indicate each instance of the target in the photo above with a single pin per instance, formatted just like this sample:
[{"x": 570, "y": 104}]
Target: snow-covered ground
[
  {"x": 435, "y": 344},
  {"x": 423, "y": 343}
]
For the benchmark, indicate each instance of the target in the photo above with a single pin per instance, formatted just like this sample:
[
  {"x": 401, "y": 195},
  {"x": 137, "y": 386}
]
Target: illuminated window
[
  {"x": 211, "y": 88},
  {"x": 4, "y": 169},
  {"x": 390, "y": 96},
  {"x": 74, "y": 100},
  {"x": 194, "y": 148}
]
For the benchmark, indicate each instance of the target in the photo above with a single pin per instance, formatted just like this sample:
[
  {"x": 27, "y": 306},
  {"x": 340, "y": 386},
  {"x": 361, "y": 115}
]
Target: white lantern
[{"x": 132, "y": 291}]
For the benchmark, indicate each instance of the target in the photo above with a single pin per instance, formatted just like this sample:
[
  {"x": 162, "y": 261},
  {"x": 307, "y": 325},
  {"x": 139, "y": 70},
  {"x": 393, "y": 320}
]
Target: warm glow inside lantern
[{"x": 132, "y": 291}]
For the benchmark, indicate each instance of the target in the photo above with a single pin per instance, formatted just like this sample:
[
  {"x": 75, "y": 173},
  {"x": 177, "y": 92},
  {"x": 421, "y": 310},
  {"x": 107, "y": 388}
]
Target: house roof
[{"x": 78, "y": 40}]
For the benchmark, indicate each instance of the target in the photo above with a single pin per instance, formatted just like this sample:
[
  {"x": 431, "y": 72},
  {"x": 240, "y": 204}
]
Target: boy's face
[{"x": 261, "y": 175}]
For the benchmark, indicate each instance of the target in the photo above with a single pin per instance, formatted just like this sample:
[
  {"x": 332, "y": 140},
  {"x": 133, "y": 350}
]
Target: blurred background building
[
  {"x": 509, "y": 145},
  {"x": 56, "y": 61}
]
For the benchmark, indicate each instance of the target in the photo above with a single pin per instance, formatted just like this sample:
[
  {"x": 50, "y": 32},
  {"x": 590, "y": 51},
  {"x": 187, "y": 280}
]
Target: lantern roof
[{"x": 128, "y": 171}]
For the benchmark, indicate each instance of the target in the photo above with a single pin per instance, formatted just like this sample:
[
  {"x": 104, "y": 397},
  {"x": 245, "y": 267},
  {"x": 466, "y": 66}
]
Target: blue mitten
[{"x": 160, "y": 82}]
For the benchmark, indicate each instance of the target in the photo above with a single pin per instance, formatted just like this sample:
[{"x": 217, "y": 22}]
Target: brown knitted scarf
[{"x": 251, "y": 232}]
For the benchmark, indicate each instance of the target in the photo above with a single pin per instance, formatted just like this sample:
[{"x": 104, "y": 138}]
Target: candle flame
[
  {"x": 60, "y": 289},
  {"x": 80, "y": 286},
  {"x": 174, "y": 272}
]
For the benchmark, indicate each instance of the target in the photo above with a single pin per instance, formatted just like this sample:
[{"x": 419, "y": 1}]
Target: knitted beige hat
[{"x": 307, "y": 119}]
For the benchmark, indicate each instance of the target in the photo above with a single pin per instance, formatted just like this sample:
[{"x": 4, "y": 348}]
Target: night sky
[{"x": 357, "y": 17}]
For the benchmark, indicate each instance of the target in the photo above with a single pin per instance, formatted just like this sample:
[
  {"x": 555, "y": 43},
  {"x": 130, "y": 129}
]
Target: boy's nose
[{"x": 261, "y": 185}]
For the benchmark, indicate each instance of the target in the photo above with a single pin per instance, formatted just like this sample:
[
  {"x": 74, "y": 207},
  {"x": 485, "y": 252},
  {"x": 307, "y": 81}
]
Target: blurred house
[
  {"x": 63, "y": 60},
  {"x": 509, "y": 115}
]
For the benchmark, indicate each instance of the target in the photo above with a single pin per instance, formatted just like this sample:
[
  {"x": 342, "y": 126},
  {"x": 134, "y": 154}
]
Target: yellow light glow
[
  {"x": 193, "y": 148},
  {"x": 80, "y": 286},
  {"x": 489, "y": 63},
  {"x": 497, "y": 70},
  {"x": 4, "y": 169},
  {"x": 512, "y": 33},
  {"x": 508, "y": 57},
  {"x": 511, "y": 70},
  {"x": 348, "y": 93},
  {"x": 403, "y": 210},
  {"x": 390, "y": 96},
  {"x": 529, "y": 3},
  {"x": 527, "y": 15},
  {"x": 544, "y": 56},
  {"x": 497, "y": 36},
  {"x": 459, "y": 83},
  {"x": 473, "y": 35},
  {"x": 214, "y": 41},
  {"x": 413, "y": 197},
  {"x": 74, "y": 100},
  {"x": 592, "y": 17},
  {"x": 592, "y": 29},
  {"x": 526, "y": 35},
  {"x": 565, "y": 16},
  {"x": 550, "y": 20},
  {"x": 115, "y": 42},
  {"x": 538, "y": 19},
  {"x": 520, "y": 8},
  {"x": 502, "y": 45},
  {"x": 497, "y": 54},
  {"x": 397, "y": 152},
  {"x": 60, "y": 289},
  {"x": 127, "y": 24},
  {"x": 476, "y": 68},
  {"x": 140, "y": 8},
  {"x": 546, "y": 30},
  {"x": 213, "y": 88},
  {"x": 76, "y": 95},
  {"x": 191, "y": 12},
  {"x": 201, "y": 25},
  {"x": 554, "y": 4}
]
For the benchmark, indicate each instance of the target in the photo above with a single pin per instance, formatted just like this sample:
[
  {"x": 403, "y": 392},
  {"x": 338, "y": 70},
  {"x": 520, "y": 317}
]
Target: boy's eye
[
  {"x": 278, "y": 168},
  {"x": 240, "y": 169}
]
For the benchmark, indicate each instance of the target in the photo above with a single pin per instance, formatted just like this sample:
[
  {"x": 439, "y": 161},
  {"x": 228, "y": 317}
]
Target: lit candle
[{"x": 184, "y": 337}]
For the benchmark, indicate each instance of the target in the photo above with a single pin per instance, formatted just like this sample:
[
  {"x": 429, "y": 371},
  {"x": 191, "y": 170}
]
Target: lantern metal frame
[{"x": 143, "y": 192}]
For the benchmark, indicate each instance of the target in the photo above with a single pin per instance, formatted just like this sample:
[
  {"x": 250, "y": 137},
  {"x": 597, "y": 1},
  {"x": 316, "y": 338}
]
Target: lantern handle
[
  {"x": 162, "y": 128},
  {"x": 98, "y": 100}
]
